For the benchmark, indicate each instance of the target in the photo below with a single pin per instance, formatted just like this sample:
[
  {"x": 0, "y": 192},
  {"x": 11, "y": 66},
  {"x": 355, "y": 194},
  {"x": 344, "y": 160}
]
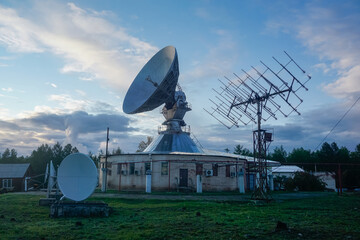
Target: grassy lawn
[{"x": 328, "y": 217}]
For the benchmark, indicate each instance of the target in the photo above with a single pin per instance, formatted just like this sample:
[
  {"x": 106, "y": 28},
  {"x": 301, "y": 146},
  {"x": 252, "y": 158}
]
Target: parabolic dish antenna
[
  {"x": 155, "y": 84},
  {"x": 77, "y": 176}
]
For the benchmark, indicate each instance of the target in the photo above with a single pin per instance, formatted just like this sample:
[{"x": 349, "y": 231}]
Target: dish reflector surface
[
  {"x": 77, "y": 176},
  {"x": 155, "y": 84}
]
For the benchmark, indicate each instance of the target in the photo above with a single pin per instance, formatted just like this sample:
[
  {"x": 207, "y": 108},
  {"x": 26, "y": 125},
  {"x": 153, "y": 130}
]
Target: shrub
[
  {"x": 304, "y": 181},
  {"x": 279, "y": 182}
]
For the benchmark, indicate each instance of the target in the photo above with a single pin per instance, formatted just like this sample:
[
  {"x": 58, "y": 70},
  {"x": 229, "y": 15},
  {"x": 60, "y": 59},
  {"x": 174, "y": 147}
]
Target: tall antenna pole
[
  {"x": 105, "y": 168},
  {"x": 253, "y": 99}
]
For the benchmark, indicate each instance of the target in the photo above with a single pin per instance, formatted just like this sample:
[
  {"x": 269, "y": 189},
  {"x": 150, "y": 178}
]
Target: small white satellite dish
[
  {"x": 155, "y": 84},
  {"x": 77, "y": 176}
]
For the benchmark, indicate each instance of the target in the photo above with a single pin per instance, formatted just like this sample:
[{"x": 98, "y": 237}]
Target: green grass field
[{"x": 328, "y": 217}]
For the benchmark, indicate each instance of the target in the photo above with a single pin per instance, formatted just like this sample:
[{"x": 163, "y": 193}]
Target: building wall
[
  {"x": 127, "y": 172},
  {"x": 17, "y": 184}
]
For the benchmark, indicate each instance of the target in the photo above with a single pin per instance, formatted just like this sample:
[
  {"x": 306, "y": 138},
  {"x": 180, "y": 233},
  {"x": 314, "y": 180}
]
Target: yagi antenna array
[{"x": 275, "y": 91}]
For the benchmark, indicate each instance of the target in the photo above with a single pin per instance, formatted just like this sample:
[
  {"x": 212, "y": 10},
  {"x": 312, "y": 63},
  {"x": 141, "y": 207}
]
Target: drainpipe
[
  {"x": 169, "y": 175},
  {"x": 26, "y": 185},
  {"x": 103, "y": 181},
  {"x": 198, "y": 184},
  {"x": 241, "y": 182},
  {"x": 148, "y": 176}
]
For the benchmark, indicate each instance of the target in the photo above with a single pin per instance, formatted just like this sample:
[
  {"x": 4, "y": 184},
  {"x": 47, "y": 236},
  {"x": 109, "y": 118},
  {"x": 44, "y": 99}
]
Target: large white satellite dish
[
  {"x": 77, "y": 176},
  {"x": 155, "y": 84}
]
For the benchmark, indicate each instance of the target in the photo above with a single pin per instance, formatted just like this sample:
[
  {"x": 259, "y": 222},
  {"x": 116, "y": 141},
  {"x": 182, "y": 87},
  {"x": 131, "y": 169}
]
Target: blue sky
[{"x": 65, "y": 68}]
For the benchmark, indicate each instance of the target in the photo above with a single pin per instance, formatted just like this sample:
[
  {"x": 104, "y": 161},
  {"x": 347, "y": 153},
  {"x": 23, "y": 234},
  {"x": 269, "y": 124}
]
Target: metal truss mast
[{"x": 257, "y": 96}]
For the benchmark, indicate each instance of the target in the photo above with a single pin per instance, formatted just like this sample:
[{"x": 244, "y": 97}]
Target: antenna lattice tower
[{"x": 255, "y": 96}]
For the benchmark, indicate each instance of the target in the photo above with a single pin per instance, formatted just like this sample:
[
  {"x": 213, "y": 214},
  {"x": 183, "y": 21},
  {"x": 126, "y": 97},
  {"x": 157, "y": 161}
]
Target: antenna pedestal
[{"x": 174, "y": 116}]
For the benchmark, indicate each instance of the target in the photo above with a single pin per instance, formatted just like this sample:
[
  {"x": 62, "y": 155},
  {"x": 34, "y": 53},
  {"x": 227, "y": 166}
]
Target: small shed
[
  {"x": 12, "y": 176},
  {"x": 287, "y": 171},
  {"x": 328, "y": 179}
]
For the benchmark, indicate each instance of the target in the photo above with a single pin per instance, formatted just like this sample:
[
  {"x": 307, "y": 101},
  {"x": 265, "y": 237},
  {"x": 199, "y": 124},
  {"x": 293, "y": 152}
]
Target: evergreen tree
[
  {"x": 241, "y": 150},
  {"x": 117, "y": 151},
  {"x": 279, "y": 154}
]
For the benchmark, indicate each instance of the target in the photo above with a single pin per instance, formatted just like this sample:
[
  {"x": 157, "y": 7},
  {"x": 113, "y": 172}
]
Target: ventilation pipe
[
  {"x": 198, "y": 184},
  {"x": 241, "y": 181}
]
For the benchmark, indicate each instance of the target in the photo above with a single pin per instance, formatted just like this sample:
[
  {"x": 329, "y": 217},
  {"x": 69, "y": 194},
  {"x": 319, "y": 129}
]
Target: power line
[{"x": 338, "y": 122}]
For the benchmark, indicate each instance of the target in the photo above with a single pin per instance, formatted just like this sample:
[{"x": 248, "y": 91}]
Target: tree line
[
  {"x": 328, "y": 153},
  {"x": 40, "y": 157},
  {"x": 329, "y": 158}
]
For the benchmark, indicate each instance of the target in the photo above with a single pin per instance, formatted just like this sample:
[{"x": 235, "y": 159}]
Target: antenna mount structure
[{"x": 249, "y": 99}]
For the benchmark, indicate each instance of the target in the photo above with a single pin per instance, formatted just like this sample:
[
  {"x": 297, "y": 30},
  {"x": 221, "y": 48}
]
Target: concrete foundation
[
  {"x": 79, "y": 209},
  {"x": 46, "y": 201},
  {"x": 50, "y": 200}
]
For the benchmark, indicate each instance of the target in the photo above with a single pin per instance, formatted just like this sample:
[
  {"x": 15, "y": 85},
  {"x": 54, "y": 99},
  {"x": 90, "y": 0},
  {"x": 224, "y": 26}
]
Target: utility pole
[{"x": 105, "y": 166}]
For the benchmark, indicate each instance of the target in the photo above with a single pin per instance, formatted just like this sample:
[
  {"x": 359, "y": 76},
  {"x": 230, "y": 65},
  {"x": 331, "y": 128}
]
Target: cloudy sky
[{"x": 65, "y": 68}]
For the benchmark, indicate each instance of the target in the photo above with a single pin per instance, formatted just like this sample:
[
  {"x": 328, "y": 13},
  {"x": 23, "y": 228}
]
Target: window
[
  {"x": 132, "y": 169},
  {"x": 199, "y": 169},
  {"x": 147, "y": 166},
  {"x": 7, "y": 183},
  {"x": 109, "y": 172},
  {"x": 164, "y": 168},
  {"x": 215, "y": 169},
  {"x": 227, "y": 171}
]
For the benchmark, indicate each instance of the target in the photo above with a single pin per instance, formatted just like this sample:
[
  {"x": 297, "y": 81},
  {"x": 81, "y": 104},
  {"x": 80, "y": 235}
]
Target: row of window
[
  {"x": 7, "y": 183},
  {"x": 129, "y": 169},
  {"x": 126, "y": 169},
  {"x": 215, "y": 170}
]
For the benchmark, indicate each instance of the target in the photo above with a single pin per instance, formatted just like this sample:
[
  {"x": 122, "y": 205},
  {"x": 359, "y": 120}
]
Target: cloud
[
  {"x": 8, "y": 125},
  {"x": 220, "y": 58},
  {"x": 323, "y": 67},
  {"x": 335, "y": 37},
  {"x": 9, "y": 89},
  {"x": 3, "y": 65},
  {"x": 85, "y": 39},
  {"x": 347, "y": 84},
  {"x": 79, "y": 128},
  {"x": 80, "y": 123},
  {"x": 64, "y": 103},
  {"x": 68, "y": 103},
  {"x": 332, "y": 33},
  {"x": 16, "y": 32}
]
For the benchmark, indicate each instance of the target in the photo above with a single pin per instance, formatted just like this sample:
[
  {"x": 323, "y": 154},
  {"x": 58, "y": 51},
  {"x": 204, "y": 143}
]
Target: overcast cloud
[{"x": 64, "y": 128}]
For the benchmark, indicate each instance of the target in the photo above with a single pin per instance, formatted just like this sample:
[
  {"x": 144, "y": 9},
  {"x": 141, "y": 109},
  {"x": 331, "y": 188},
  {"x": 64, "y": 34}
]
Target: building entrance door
[{"x": 183, "y": 178}]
